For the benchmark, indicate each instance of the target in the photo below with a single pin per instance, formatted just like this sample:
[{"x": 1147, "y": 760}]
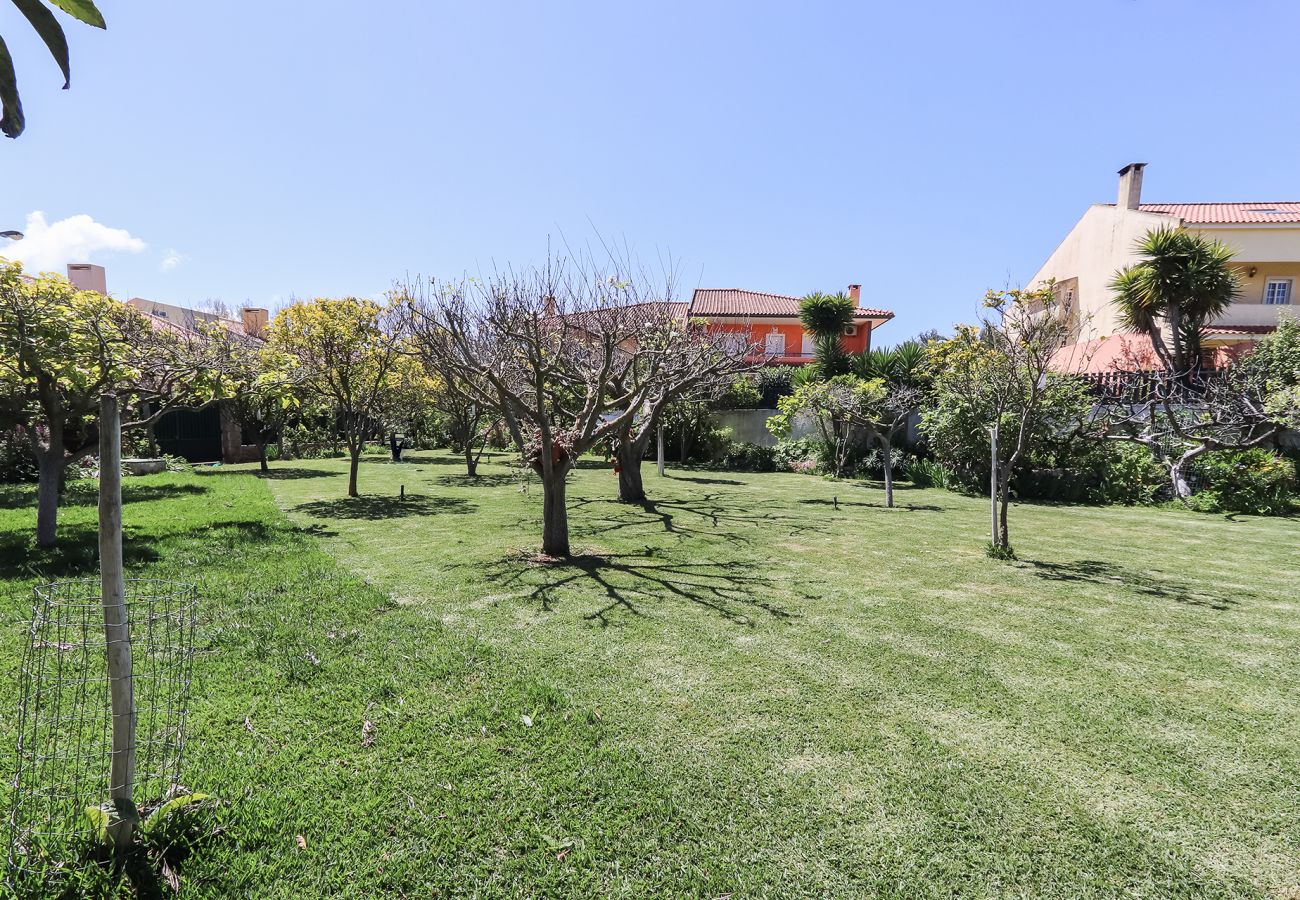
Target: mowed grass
[{"x": 762, "y": 685}]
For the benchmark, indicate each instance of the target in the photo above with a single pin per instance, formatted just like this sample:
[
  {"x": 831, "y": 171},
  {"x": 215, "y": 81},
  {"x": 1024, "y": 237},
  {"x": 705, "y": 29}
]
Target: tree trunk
[
  {"x": 630, "y": 488},
  {"x": 1004, "y": 500},
  {"x": 888, "y": 457},
  {"x": 49, "y": 477},
  {"x": 555, "y": 515},
  {"x": 1177, "y": 478},
  {"x": 681, "y": 458},
  {"x": 352, "y": 472},
  {"x": 261, "y": 456}
]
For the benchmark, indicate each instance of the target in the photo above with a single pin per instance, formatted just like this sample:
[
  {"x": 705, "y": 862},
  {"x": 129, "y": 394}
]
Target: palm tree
[
  {"x": 903, "y": 364},
  {"x": 51, "y": 32},
  {"x": 825, "y": 316},
  {"x": 1183, "y": 281}
]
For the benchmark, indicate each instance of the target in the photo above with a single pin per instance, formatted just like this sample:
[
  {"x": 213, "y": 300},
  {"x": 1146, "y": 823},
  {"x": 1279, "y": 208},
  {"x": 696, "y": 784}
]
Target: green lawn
[{"x": 759, "y": 685}]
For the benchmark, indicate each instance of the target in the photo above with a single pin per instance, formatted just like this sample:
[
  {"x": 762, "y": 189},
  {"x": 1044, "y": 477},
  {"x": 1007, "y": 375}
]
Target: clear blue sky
[{"x": 926, "y": 150}]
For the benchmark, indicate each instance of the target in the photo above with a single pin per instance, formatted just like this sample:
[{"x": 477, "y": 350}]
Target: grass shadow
[
  {"x": 705, "y": 515},
  {"x": 376, "y": 508},
  {"x": 471, "y": 481},
  {"x": 275, "y": 473},
  {"x": 699, "y": 480},
  {"x": 1094, "y": 571},
  {"x": 913, "y": 507},
  {"x": 732, "y": 590},
  {"x": 86, "y": 493},
  {"x": 76, "y": 555}
]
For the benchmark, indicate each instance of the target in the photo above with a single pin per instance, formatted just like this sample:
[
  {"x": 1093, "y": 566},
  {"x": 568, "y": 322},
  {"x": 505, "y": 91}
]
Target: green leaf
[
  {"x": 160, "y": 815},
  {"x": 83, "y": 10},
  {"x": 98, "y": 819},
  {"x": 50, "y": 31},
  {"x": 11, "y": 107}
]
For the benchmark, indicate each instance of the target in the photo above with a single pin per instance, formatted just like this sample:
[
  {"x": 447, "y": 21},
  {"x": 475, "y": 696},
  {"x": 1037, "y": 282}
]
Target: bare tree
[
  {"x": 567, "y": 355},
  {"x": 1181, "y": 415},
  {"x": 678, "y": 360}
]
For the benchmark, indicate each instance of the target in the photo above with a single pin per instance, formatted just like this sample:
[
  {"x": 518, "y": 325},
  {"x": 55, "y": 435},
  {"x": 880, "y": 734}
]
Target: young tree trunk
[
  {"x": 352, "y": 471},
  {"x": 1004, "y": 500},
  {"x": 261, "y": 456},
  {"x": 888, "y": 456},
  {"x": 555, "y": 515},
  {"x": 49, "y": 478},
  {"x": 471, "y": 463}
]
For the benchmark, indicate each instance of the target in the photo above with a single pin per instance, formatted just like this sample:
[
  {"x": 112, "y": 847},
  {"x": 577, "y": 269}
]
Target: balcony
[{"x": 1254, "y": 315}]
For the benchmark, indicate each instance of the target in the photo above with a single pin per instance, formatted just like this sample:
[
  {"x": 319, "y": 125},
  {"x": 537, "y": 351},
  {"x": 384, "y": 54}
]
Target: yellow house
[{"x": 1265, "y": 237}]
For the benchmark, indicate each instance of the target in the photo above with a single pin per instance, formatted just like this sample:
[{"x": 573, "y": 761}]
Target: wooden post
[
  {"x": 993, "y": 480},
  {"x": 117, "y": 631},
  {"x": 661, "y": 451}
]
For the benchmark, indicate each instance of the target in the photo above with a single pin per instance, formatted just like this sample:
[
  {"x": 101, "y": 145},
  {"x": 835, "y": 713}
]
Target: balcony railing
[{"x": 1254, "y": 314}]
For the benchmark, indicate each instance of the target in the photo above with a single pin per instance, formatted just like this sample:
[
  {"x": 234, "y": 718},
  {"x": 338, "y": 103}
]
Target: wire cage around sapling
[{"x": 65, "y": 719}]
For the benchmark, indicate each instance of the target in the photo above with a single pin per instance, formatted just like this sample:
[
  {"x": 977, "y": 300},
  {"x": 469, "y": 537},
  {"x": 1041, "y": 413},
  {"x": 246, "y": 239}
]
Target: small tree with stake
[
  {"x": 565, "y": 354},
  {"x": 998, "y": 374}
]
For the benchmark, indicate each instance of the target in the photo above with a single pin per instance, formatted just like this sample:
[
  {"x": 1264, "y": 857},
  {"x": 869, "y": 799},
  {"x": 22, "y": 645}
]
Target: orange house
[{"x": 771, "y": 322}]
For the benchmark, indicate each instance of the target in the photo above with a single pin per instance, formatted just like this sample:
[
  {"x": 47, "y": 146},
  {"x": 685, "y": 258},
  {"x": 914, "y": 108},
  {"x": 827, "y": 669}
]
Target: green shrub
[
  {"x": 1131, "y": 475},
  {"x": 1245, "y": 481},
  {"x": 742, "y": 456},
  {"x": 773, "y": 383},
  {"x": 805, "y": 454},
  {"x": 928, "y": 473},
  {"x": 17, "y": 464},
  {"x": 740, "y": 394}
]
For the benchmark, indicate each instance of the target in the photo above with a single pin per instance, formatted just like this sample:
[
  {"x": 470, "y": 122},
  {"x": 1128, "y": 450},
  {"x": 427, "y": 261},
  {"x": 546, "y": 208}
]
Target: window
[
  {"x": 774, "y": 344},
  {"x": 1277, "y": 291}
]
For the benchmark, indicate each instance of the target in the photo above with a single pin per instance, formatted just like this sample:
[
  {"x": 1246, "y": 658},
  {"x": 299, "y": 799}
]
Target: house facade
[
  {"x": 770, "y": 322},
  {"x": 1264, "y": 236}
]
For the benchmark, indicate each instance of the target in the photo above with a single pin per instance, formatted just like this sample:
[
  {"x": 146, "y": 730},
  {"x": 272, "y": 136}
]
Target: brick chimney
[
  {"x": 1130, "y": 185},
  {"x": 855, "y": 294},
  {"x": 85, "y": 277},
  {"x": 254, "y": 320}
]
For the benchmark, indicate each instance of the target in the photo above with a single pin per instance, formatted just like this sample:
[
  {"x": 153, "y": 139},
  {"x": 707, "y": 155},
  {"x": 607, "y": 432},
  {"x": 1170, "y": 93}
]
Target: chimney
[
  {"x": 855, "y": 294},
  {"x": 548, "y": 306},
  {"x": 1130, "y": 185},
  {"x": 254, "y": 320},
  {"x": 85, "y": 277}
]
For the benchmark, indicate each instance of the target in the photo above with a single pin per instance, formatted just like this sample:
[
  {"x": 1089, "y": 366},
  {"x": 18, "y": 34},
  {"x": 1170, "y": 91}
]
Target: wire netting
[{"x": 65, "y": 715}]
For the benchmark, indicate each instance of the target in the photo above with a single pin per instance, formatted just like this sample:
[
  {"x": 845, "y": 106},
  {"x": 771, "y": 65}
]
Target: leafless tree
[
  {"x": 1180, "y": 416},
  {"x": 568, "y": 355}
]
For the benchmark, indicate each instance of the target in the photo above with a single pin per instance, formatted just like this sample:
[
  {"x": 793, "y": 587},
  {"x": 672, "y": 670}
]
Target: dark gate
[{"x": 193, "y": 435}]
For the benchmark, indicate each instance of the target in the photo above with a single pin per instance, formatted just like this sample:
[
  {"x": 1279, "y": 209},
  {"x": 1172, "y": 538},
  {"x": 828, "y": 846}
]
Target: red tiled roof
[
  {"x": 1240, "y": 329},
  {"x": 1228, "y": 213},
  {"x": 736, "y": 302}
]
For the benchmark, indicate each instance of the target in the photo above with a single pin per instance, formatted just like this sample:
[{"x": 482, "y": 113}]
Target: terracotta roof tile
[
  {"x": 1228, "y": 213},
  {"x": 1240, "y": 329},
  {"x": 737, "y": 302}
]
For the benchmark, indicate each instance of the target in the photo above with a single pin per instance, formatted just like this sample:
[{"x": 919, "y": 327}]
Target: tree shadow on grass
[
  {"x": 76, "y": 555},
  {"x": 732, "y": 590},
  {"x": 703, "y": 515},
  {"x": 913, "y": 507},
  {"x": 376, "y": 508},
  {"x": 86, "y": 493},
  {"x": 471, "y": 481},
  {"x": 1094, "y": 571},
  {"x": 275, "y": 473},
  {"x": 698, "y": 480}
]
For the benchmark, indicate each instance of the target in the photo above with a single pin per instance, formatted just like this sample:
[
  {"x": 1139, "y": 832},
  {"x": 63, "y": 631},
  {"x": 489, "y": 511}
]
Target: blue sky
[{"x": 256, "y": 151}]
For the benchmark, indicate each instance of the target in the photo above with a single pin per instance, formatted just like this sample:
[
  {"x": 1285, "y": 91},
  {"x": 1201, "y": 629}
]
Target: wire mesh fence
[{"x": 65, "y": 716}]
